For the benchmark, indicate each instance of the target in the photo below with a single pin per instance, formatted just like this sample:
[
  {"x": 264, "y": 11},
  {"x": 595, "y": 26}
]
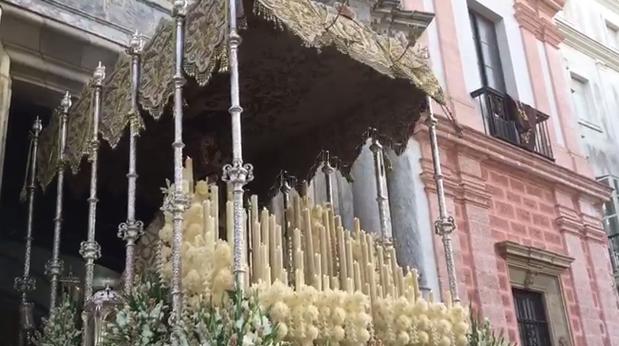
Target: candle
[
  {"x": 298, "y": 279},
  {"x": 215, "y": 206},
  {"x": 264, "y": 227},
  {"x": 364, "y": 259},
  {"x": 272, "y": 237},
  {"x": 349, "y": 266},
  {"x": 318, "y": 274},
  {"x": 356, "y": 227},
  {"x": 206, "y": 212},
  {"x": 357, "y": 276},
  {"x": 309, "y": 241},
  {"x": 297, "y": 212},
  {"x": 325, "y": 283},
  {"x": 373, "y": 291},
  {"x": 255, "y": 249},
  {"x": 323, "y": 249},
  {"x": 188, "y": 176},
  {"x": 342, "y": 257}
]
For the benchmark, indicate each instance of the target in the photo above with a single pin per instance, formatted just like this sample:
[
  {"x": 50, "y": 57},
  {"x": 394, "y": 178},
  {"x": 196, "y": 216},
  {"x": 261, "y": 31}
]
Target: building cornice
[
  {"x": 533, "y": 259},
  {"x": 588, "y": 45},
  {"x": 519, "y": 159},
  {"x": 611, "y": 4}
]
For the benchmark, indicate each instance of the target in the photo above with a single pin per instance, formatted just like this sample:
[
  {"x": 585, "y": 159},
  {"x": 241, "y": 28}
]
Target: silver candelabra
[
  {"x": 131, "y": 229},
  {"x": 445, "y": 225},
  {"x": 26, "y": 283},
  {"x": 90, "y": 249},
  {"x": 237, "y": 173},
  {"x": 178, "y": 200},
  {"x": 54, "y": 265}
]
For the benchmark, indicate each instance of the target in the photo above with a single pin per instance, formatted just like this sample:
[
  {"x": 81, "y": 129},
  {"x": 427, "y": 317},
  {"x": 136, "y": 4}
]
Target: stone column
[
  {"x": 410, "y": 215},
  {"x": 5, "y": 101}
]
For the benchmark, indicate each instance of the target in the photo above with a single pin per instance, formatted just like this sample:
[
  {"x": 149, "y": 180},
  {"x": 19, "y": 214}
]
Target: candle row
[{"x": 324, "y": 254}]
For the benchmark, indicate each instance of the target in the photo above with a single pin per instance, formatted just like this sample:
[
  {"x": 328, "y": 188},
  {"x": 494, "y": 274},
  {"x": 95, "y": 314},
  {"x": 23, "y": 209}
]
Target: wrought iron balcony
[{"x": 514, "y": 122}]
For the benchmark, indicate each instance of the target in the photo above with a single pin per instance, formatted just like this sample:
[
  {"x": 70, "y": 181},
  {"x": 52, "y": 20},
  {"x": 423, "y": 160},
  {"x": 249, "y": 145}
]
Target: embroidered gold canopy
[{"x": 317, "y": 26}]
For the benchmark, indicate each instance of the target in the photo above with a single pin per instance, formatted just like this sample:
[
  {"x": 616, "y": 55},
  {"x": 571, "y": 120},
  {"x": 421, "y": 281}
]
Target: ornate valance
[{"x": 316, "y": 24}]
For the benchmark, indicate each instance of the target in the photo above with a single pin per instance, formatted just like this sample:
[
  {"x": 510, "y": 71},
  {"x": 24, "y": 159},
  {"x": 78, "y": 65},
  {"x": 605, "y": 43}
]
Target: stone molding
[
  {"x": 588, "y": 45},
  {"x": 529, "y": 16},
  {"x": 533, "y": 259},
  {"x": 513, "y": 157}
]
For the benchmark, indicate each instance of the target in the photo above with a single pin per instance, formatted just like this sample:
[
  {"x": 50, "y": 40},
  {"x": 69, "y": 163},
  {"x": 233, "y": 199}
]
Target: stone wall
[{"x": 114, "y": 20}]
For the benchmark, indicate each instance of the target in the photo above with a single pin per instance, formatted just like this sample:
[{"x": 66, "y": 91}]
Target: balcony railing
[{"x": 509, "y": 122}]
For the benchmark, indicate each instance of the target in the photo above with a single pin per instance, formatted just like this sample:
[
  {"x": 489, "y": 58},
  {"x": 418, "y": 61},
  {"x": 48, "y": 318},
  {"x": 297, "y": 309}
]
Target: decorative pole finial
[
  {"x": 179, "y": 8},
  {"x": 90, "y": 249},
  {"x": 445, "y": 224},
  {"x": 136, "y": 44},
  {"x": 131, "y": 230},
  {"x": 54, "y": 265},
  {"x": 66, "y": 102},
  {"x": 26, "y": 283},
  {"x": 384, "y": 212},
  {"x": 238, "y": 173},
  {"x": 99, "y": 75},
  {"x": 327, "y": 170},
  {"x": 178, "y": 200}
]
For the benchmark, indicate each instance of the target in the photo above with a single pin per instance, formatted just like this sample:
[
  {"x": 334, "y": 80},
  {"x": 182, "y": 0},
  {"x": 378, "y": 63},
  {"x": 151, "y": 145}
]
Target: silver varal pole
[
  {"x": 328, "y": 170},
  {"x": 131, "y": 229},
  {"x": 26, "y": 283},
  {"x": 384, "y": 212},
  {"x": 237, "y": 173},
  {"x": 445, "y": 225},
  {"x": 54, "y": 265},
  {"x": 178, "y": 201},
  {"x": 90, "y": 249}
]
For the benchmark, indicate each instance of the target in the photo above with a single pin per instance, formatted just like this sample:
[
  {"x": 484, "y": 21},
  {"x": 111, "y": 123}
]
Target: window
[
  {"x": 611, "y": 219},
  {"x": 580, "y": 98},
  {"x": 488, "y": 55},
  {"x": 612, "y": 32},
  {"x": 531, "y": 316}
]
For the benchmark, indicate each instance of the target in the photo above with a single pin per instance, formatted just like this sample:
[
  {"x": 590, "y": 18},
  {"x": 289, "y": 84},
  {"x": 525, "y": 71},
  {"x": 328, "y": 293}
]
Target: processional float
[{"x": 270, "y": 245}]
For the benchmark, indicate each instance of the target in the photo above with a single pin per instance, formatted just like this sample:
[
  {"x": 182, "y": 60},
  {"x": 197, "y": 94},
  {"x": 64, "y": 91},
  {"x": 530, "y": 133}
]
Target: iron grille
[
  {"x": 531, "y": 316},
  {"x": 500, "y": 123}
]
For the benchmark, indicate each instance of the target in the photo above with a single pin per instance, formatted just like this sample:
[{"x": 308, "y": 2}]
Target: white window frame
[
  {"x": 612, "y": 35},
  {"x": 590, "y": 119}
]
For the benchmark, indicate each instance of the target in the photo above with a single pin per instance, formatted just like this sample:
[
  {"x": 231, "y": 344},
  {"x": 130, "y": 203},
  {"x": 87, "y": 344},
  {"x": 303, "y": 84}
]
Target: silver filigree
[
  {"x": 90, "y": 249},
  {"x": 445, "y": 224},
  {"x": 54, "y": 265}
]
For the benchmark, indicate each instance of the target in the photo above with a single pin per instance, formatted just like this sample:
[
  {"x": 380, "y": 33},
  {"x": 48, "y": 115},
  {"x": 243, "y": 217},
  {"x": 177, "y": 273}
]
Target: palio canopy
[{"x": 318, "y": 84}]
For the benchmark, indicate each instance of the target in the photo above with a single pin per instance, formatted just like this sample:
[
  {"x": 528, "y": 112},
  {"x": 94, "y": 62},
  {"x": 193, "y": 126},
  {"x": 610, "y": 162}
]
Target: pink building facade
[{"x": 532, "y": 254}]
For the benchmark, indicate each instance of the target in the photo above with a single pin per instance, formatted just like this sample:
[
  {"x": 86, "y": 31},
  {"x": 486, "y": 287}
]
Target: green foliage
[
  {"x": 239, "y": 321},
  {"x": 142, "y": 319},
  {"x": 61, "y": 329},
  {"x": 482, "y": 334}
]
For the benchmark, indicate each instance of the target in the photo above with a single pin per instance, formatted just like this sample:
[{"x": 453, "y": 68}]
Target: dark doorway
[{"x": 531, "y": 316}]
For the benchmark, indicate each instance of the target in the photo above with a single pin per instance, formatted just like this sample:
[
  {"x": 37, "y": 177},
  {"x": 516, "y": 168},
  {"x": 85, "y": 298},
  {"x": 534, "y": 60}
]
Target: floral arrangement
[
  {"x": 207, "y": 261},
  {"x": 418, "y": 322},
  {"x": 481, "y": 333},
  {"x": 239, "y": 321},
  {"x": 142, "y": 319},
  {"x": 61, "y": 328},
  {"x": 309, "y": 316}
]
